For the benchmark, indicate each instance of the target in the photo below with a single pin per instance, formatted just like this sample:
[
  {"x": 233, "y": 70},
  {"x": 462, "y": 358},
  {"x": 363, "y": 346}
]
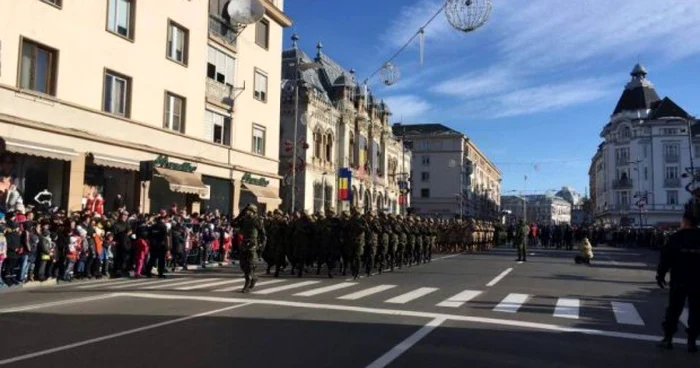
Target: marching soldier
[{"x": 253, "y": 231}]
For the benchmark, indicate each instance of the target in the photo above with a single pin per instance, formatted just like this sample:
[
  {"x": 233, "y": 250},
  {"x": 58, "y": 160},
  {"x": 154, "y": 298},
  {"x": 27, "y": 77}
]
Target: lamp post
[{"x": 299, "y": 67}]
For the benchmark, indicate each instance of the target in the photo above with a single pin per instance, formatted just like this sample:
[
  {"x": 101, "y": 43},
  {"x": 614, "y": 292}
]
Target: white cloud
[
  {"x": 477, "y": 84},
  {"x": 407, "y": 106}
]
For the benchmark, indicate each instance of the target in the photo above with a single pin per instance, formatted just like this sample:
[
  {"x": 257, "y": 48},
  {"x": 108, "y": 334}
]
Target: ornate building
[
  {"x": 636, "y": 173},
  {"x": 340, "y": 126}
]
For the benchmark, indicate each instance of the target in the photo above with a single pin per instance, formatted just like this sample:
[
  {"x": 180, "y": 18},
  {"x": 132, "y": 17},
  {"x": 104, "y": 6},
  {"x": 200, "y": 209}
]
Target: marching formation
[{"x": 362, "y": 243}]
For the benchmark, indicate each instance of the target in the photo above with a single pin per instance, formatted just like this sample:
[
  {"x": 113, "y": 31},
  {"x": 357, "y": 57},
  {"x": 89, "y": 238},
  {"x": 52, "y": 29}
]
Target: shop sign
[
  {"x": 163, "y": 162},
  {"x": 248, "y": 179}
]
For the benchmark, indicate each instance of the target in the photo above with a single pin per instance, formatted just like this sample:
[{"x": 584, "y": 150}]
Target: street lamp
[{"x": 300, "y": 67}]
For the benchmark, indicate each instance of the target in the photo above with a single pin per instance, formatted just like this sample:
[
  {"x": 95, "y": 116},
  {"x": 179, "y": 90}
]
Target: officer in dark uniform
[{"x": 681, "y": 256}]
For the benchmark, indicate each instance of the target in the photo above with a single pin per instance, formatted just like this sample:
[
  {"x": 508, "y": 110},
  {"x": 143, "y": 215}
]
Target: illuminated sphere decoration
[
  {"x": 467, "y": 15},
  {"x": 389, "y": 74}
]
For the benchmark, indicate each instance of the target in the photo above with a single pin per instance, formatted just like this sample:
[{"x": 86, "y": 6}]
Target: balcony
[
  {"x": 622, "y": 161},
  {"x": 622, "y": 183},
  {"x": 672, "y": 183},
  {"x": 222, "y": 29},
  {"x": 219, "y": 93},
  {"x": 671, "y": 158}
]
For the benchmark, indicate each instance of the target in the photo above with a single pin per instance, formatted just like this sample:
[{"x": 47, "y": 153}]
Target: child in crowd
[
  {"x": 140, "y": 253},
  {"x": 108, "y": 250}
]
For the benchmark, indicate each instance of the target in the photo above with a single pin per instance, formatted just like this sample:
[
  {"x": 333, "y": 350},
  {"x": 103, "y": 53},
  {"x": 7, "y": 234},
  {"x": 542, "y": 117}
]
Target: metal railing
[
  {"x": 672, "y": 183},
  {"x": 622, "y": 183},
  {"x": 222, "y": 29}
]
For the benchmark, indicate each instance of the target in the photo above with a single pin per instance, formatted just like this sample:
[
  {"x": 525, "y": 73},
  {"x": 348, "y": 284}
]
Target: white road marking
[
  {"x": 55, "y": 304},
  {"x": 404, "y": 313},
  {"x": 103, "y": 283},
  {"x": 458, "y": 300},
  {"x": 326, "y": 289},
  {"x": 626, "y": 314},
  {"x": 179, "y": 283},
  {"x": 567, "y": 308},
  {"x": 286, "y": 287},
  {"x": 447, "y": 257},
  {"x": 210, "y": 284},
  {"x": 684, "y": 317},
  {"x": 511, "y": 303},
  {"x": 412, "y": 295},
  {"x": 141, "y": 282},
  {"x": 499, "y": 277},
  {"x": 115, "y": 335},
  {"x": 520, "y": 262},
  {"x": 404, "y": 345},
  {"x": 238, "y": 287},
  {"x": 367, "y": 292}
]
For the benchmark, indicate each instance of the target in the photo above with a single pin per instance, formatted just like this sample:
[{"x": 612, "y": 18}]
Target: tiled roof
[
  {"x": 322, "y": 79},
  {"x": 637, "y": 98},
  {"x": 666, "y": 108}
]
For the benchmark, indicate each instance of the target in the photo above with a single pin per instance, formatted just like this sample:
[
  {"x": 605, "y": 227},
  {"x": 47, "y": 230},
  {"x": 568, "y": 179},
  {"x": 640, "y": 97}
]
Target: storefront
[
  {"x": 176, "y": 184},
  {"x": 114, "y": 179},
  {"x": 29, "y": 169},
  {"x": 220, "y": 195},
  {"x": 256, "y": 190}
]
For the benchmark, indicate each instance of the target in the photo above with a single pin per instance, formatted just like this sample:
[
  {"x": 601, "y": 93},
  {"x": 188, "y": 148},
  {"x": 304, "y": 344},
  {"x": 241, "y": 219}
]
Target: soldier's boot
[
  {"x": 246, "y": 287},
  {"x": 667, "y": 342},
  {"x": 269, "y": 267},
  {"x": 253, "y": 280},
  {"x": 277, "y": 273}
]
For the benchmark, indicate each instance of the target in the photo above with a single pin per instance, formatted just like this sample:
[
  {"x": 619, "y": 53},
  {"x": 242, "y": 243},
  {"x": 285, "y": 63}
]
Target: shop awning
[
  {"x": 263, "y": 194},
  {"x": 39, "y": 149},
  {"x": 184, "y": 182},
  {"x": 115, "y": 162}
]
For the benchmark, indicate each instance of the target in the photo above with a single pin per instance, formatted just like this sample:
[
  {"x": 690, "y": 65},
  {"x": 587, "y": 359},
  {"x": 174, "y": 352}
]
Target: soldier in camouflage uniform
[
  {"x": 303, "y": 234},
  {"x": 357, "y": 228},
  {"x": 402, "y": 235},
  {"x": 253, "y": 231},
  {"x": 393, "y": 241},
  {"x": 371, "y": 243},
  {"x": 410, "y": 230},
  {"x": 284, "y": 244},
  {"x": 383, "y": 248},
  {"x": 272, "y": 229},
  {"x": 348, "y": 245}
]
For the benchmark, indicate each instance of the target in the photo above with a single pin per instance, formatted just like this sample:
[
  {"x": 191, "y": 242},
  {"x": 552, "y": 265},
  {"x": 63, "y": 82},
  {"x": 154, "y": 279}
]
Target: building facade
[
  {"x": 339, "y": 127},
  {"x": 636, "y": 173},
  {"x": 88, "y": 90},
  {"x": 450, "y": 176},
  {"x": 540, "y": 208}
]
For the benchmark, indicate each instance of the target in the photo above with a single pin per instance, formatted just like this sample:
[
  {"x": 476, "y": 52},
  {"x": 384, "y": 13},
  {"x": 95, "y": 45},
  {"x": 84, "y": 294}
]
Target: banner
[
  {"x": 363, "y": 152},
  {"x": 344, "y": 184}
]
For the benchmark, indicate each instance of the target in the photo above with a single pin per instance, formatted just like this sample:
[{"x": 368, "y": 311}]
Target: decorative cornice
[{"x": 276, "y": 14}]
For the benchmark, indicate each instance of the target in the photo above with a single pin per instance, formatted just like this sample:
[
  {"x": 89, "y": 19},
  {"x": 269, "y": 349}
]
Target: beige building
[
  {"x": 88, "y": 89},
  {"x": 450, "y": 176},
  {"x": 340, "y": 127}
]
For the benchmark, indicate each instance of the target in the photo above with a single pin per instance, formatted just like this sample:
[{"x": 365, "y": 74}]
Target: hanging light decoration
[
  {"x": 467, "y": 15},
  {"x": 389, "y": 74}
]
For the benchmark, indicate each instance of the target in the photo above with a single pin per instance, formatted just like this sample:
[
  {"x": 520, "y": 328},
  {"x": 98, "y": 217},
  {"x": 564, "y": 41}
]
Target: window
[
  {"x": 696, "y": 151},
  {"x": 220, "y": 66},
  {"x": 671, "y": 149},
  {"x": 120, "y": 18},
  {"x": 623, "y": 198},
  {"x": 262, "y": 33},
  {"x": 351, "y": 151},
  {"x": 669, "y": 131},
  {"x": 54, "y": 2},
  {"x": 117, "y": 94},
  {"x": 626, "y": 133},
  {"x": 646, "y": 173},
  {"x": 425, "y": 176},
  {"x": 174, "y": 113},
  {"x": 622, "y": 156},
  {"x": 671, "y": 172},
  {"x": 425, "y": 193},
  {"x": 38, "y": 68},
  {"x": 425, "y": 160},
  {"x": 260, "y": 88},
  {"x": 329, "y": 147},
  {"x": 178, "y": 39},
  {"x": 217, "y": 128},
  {"x": 645, "y": 150},
  {"x": 318, "y": 143},
  {"x": 672, "y": 197},
  {"x": 258, "y": 140}
]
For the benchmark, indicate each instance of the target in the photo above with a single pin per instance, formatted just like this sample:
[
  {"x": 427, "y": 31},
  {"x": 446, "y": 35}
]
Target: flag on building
[{"x": 344, "y": 184}]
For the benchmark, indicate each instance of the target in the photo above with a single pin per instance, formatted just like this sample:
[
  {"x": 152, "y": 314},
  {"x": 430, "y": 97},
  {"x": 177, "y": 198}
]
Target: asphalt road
[{"x": 476, "y": 310}]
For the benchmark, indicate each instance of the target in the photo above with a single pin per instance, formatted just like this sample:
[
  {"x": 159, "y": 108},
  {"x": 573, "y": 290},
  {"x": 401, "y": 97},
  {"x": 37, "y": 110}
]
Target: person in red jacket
[{"x": 140, "y": 254}]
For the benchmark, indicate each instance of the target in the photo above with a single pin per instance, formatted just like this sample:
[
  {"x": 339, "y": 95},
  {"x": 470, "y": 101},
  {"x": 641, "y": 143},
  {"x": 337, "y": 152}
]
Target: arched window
[
  {"x": 317, "y": 144},
  {"x": 351, "y": 149},
  {"x": 626, "y": 132},
  {"x": 329, "y": 147}
]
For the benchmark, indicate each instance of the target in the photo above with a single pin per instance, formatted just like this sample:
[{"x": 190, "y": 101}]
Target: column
[
  {"x": 76, "y": 179},
  {"x": 236, "y": 198}
]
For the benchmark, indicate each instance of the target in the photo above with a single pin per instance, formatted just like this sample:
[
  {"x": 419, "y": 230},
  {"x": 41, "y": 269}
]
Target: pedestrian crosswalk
[{"x": 563, "y": 308}]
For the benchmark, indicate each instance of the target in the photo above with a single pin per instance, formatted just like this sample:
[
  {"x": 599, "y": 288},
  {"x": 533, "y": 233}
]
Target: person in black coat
[
  {"x": 158, "y": 248},
  {"x": 122, "y": 257},
  {"x": 179, "y": 237},
  {"x": 681, "y": 256}
]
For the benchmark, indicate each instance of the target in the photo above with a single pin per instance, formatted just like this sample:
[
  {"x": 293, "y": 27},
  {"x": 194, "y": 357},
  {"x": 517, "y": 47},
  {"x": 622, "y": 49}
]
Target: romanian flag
[
  {"x": 344, "y": 178},
  {"x": 363, "y": 151}
]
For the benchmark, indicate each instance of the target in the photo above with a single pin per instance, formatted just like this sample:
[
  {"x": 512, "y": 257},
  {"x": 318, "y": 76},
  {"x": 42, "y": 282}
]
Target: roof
[
  {"x": 639, "y": 93},
  {"x": 324, "y": 79},
  {"x": 666, "y": 108},
  {"x": 423, "y": 129}
]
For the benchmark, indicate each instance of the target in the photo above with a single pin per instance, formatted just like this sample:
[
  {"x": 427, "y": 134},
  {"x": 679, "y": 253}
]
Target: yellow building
[{"x": 89, "y": 89}]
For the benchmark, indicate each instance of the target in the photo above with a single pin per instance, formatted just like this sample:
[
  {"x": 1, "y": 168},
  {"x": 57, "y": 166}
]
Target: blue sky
[{"x": 533, "y": 88}]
